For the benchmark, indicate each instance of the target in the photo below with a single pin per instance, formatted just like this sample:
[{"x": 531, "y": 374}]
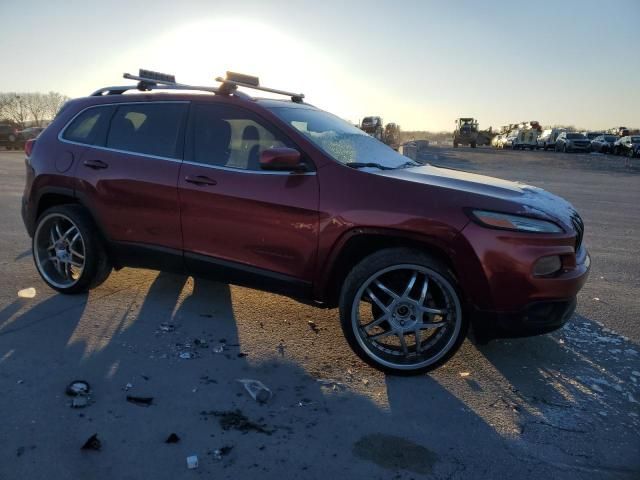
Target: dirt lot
[{"x": 558, "y": 406}]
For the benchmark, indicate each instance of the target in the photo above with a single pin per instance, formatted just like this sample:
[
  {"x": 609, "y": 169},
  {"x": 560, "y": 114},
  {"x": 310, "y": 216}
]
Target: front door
[{"x": 242, "y": 224}]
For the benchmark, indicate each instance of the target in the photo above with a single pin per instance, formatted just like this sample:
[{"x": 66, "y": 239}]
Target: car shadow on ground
[
  {"x": 132, "y": 338},
  {"x": 579, "y": 382}
]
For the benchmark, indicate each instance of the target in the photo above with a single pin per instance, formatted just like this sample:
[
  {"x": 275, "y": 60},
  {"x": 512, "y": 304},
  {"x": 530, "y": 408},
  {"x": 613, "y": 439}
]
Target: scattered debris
[
  {"x": 140, "y": 401},
  {"x": 187, "y": 355},
  {"x": 192, "y": 462},
  {"x": 365, "y": 381},
  {"x": 258, "y": 390},
  {"x": 465, "y": 374},
  {"x": 167, "y": 327},
  {"x": 236, "y": 420},
  {"x": 332, "y": 384},
  {"x": 20, "y": 382},
  {"x": 596, "y": 299},
  {"x": 78, "y": 387},
  {"x": 218, "y": 348},
  {"x": 313, "y": 326},
  {"x": 93, "y": 443},
  {"x": 201, "y": 343},
  {"x": 219, "y": 453},
  {"x": 27, "y": 292},
  {"x": 128, "y": 387},
  {"x": 173, "y": 438}
]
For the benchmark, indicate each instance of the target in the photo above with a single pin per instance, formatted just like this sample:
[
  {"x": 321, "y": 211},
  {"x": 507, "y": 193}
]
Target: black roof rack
[
  {"x": 234, "y": 80},
  {"x": 149, "y": 80}
]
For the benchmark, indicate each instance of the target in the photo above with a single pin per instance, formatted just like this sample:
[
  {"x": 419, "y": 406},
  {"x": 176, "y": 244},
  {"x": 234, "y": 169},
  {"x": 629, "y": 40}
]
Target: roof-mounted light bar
[{"x": 234, "y": 80}]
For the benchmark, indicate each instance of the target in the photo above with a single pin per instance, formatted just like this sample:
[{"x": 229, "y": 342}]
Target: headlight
[{"x": 514, "y": 222}]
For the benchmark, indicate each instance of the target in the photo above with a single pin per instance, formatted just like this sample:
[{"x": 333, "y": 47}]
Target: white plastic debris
[
  {"x": 218, "y": 348},
  {"x": 187, "y": 355},
  {"x": 332, "y": 384},
  {"x": 192, "y": 462},
  {"x": 27, "y": 293},
  {"x": 258, "y": 390},
  {"x": 465, "y": 374}
]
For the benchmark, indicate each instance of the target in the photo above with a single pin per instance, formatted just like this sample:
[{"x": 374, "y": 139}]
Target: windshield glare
[
  {"x": 342, "y": 141},
  {"x": 575, "y": 136}
]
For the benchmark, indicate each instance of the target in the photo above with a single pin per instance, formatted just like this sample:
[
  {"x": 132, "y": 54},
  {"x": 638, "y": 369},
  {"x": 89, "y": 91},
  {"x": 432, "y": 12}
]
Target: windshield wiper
[
  {"x": 409, "y": 164},
  {"x": 367, "y": 165}
]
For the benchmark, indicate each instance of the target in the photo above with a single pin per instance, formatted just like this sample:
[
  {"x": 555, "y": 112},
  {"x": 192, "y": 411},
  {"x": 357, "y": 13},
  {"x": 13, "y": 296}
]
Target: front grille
[{"x": 578, "y": 225}]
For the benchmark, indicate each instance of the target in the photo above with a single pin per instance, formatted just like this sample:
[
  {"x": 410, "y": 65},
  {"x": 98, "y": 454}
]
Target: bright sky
[{"x": 417, "y": 63}]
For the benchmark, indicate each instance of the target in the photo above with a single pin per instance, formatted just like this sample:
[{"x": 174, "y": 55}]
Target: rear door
[
  {"x": 128, "y": 174},
  {"x": 240, "y": 222}
]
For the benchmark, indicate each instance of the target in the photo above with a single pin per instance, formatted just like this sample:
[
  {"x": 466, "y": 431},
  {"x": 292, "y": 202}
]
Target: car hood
[{"x": 525, "y": 199}]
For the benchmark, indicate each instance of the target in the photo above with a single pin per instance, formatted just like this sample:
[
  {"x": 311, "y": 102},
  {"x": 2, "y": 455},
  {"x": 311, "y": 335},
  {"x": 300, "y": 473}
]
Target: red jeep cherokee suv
[{"x": 281, "y": 196}]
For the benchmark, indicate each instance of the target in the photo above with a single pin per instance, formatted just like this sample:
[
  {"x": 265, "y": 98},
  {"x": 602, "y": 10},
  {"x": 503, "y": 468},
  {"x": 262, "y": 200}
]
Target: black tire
[
  {"x": 391, "y": 258},
  {"x": 97, "y": 265}
]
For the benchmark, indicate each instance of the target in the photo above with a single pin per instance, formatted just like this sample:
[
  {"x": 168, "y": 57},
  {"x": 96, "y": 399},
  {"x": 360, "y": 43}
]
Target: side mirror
[{"x": 282, "y": 159}]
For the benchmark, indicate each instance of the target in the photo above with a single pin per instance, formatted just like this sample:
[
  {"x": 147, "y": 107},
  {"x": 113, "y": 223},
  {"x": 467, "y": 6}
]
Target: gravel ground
[{"x": 563, "y": 405}]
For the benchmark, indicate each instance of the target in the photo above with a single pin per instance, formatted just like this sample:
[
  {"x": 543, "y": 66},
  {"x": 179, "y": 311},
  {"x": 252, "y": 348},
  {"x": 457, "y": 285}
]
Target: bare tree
[
  {"x": 30, "y": 108},
  {"x": 14, "y": 107}
]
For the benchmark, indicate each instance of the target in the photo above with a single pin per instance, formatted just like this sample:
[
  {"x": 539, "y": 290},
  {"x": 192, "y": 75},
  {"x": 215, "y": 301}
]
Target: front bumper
[
  {"x": 501, "y": 289},
  {"x": 534, "y": 319}
]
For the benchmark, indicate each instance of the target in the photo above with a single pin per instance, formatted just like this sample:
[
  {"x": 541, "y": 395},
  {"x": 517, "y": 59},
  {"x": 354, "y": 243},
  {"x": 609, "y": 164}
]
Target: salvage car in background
[
  {"x": 628, "y": 146},
  {"x": 29, "y": 133},
  {"x": 548, "y": 138},
  {"x": 572, "y": 141},
  {"x": 603, "y": 143},
  {"x": 9, "y": 137},
  {"x": 592, "y": 135},
  {"x": 526, "y": 138}
]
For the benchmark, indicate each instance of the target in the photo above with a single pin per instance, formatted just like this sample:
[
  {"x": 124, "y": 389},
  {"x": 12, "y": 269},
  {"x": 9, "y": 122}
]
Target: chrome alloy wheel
[
  {"x": 406, "y": 316},
  {"x": 59, "y": 250}
]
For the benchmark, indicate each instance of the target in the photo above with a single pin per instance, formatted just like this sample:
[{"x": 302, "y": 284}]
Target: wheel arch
[{"x": 358, "y": 244}]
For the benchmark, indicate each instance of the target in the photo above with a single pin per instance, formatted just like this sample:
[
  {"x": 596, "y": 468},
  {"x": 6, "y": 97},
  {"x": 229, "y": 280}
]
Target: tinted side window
[
  {"x": 150, "y": 128},
  {"x": 230, "y": 137},
  {"x": 90, "y": 126}
]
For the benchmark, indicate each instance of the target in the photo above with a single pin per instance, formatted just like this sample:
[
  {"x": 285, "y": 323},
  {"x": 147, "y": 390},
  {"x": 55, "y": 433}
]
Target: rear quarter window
[
  {"x": 90, "y": 126},
  {"x": 148, "y": 128}
]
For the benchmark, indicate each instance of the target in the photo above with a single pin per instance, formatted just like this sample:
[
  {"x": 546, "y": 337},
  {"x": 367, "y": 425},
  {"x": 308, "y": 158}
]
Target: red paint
[{"x": 297, "y": 224}]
